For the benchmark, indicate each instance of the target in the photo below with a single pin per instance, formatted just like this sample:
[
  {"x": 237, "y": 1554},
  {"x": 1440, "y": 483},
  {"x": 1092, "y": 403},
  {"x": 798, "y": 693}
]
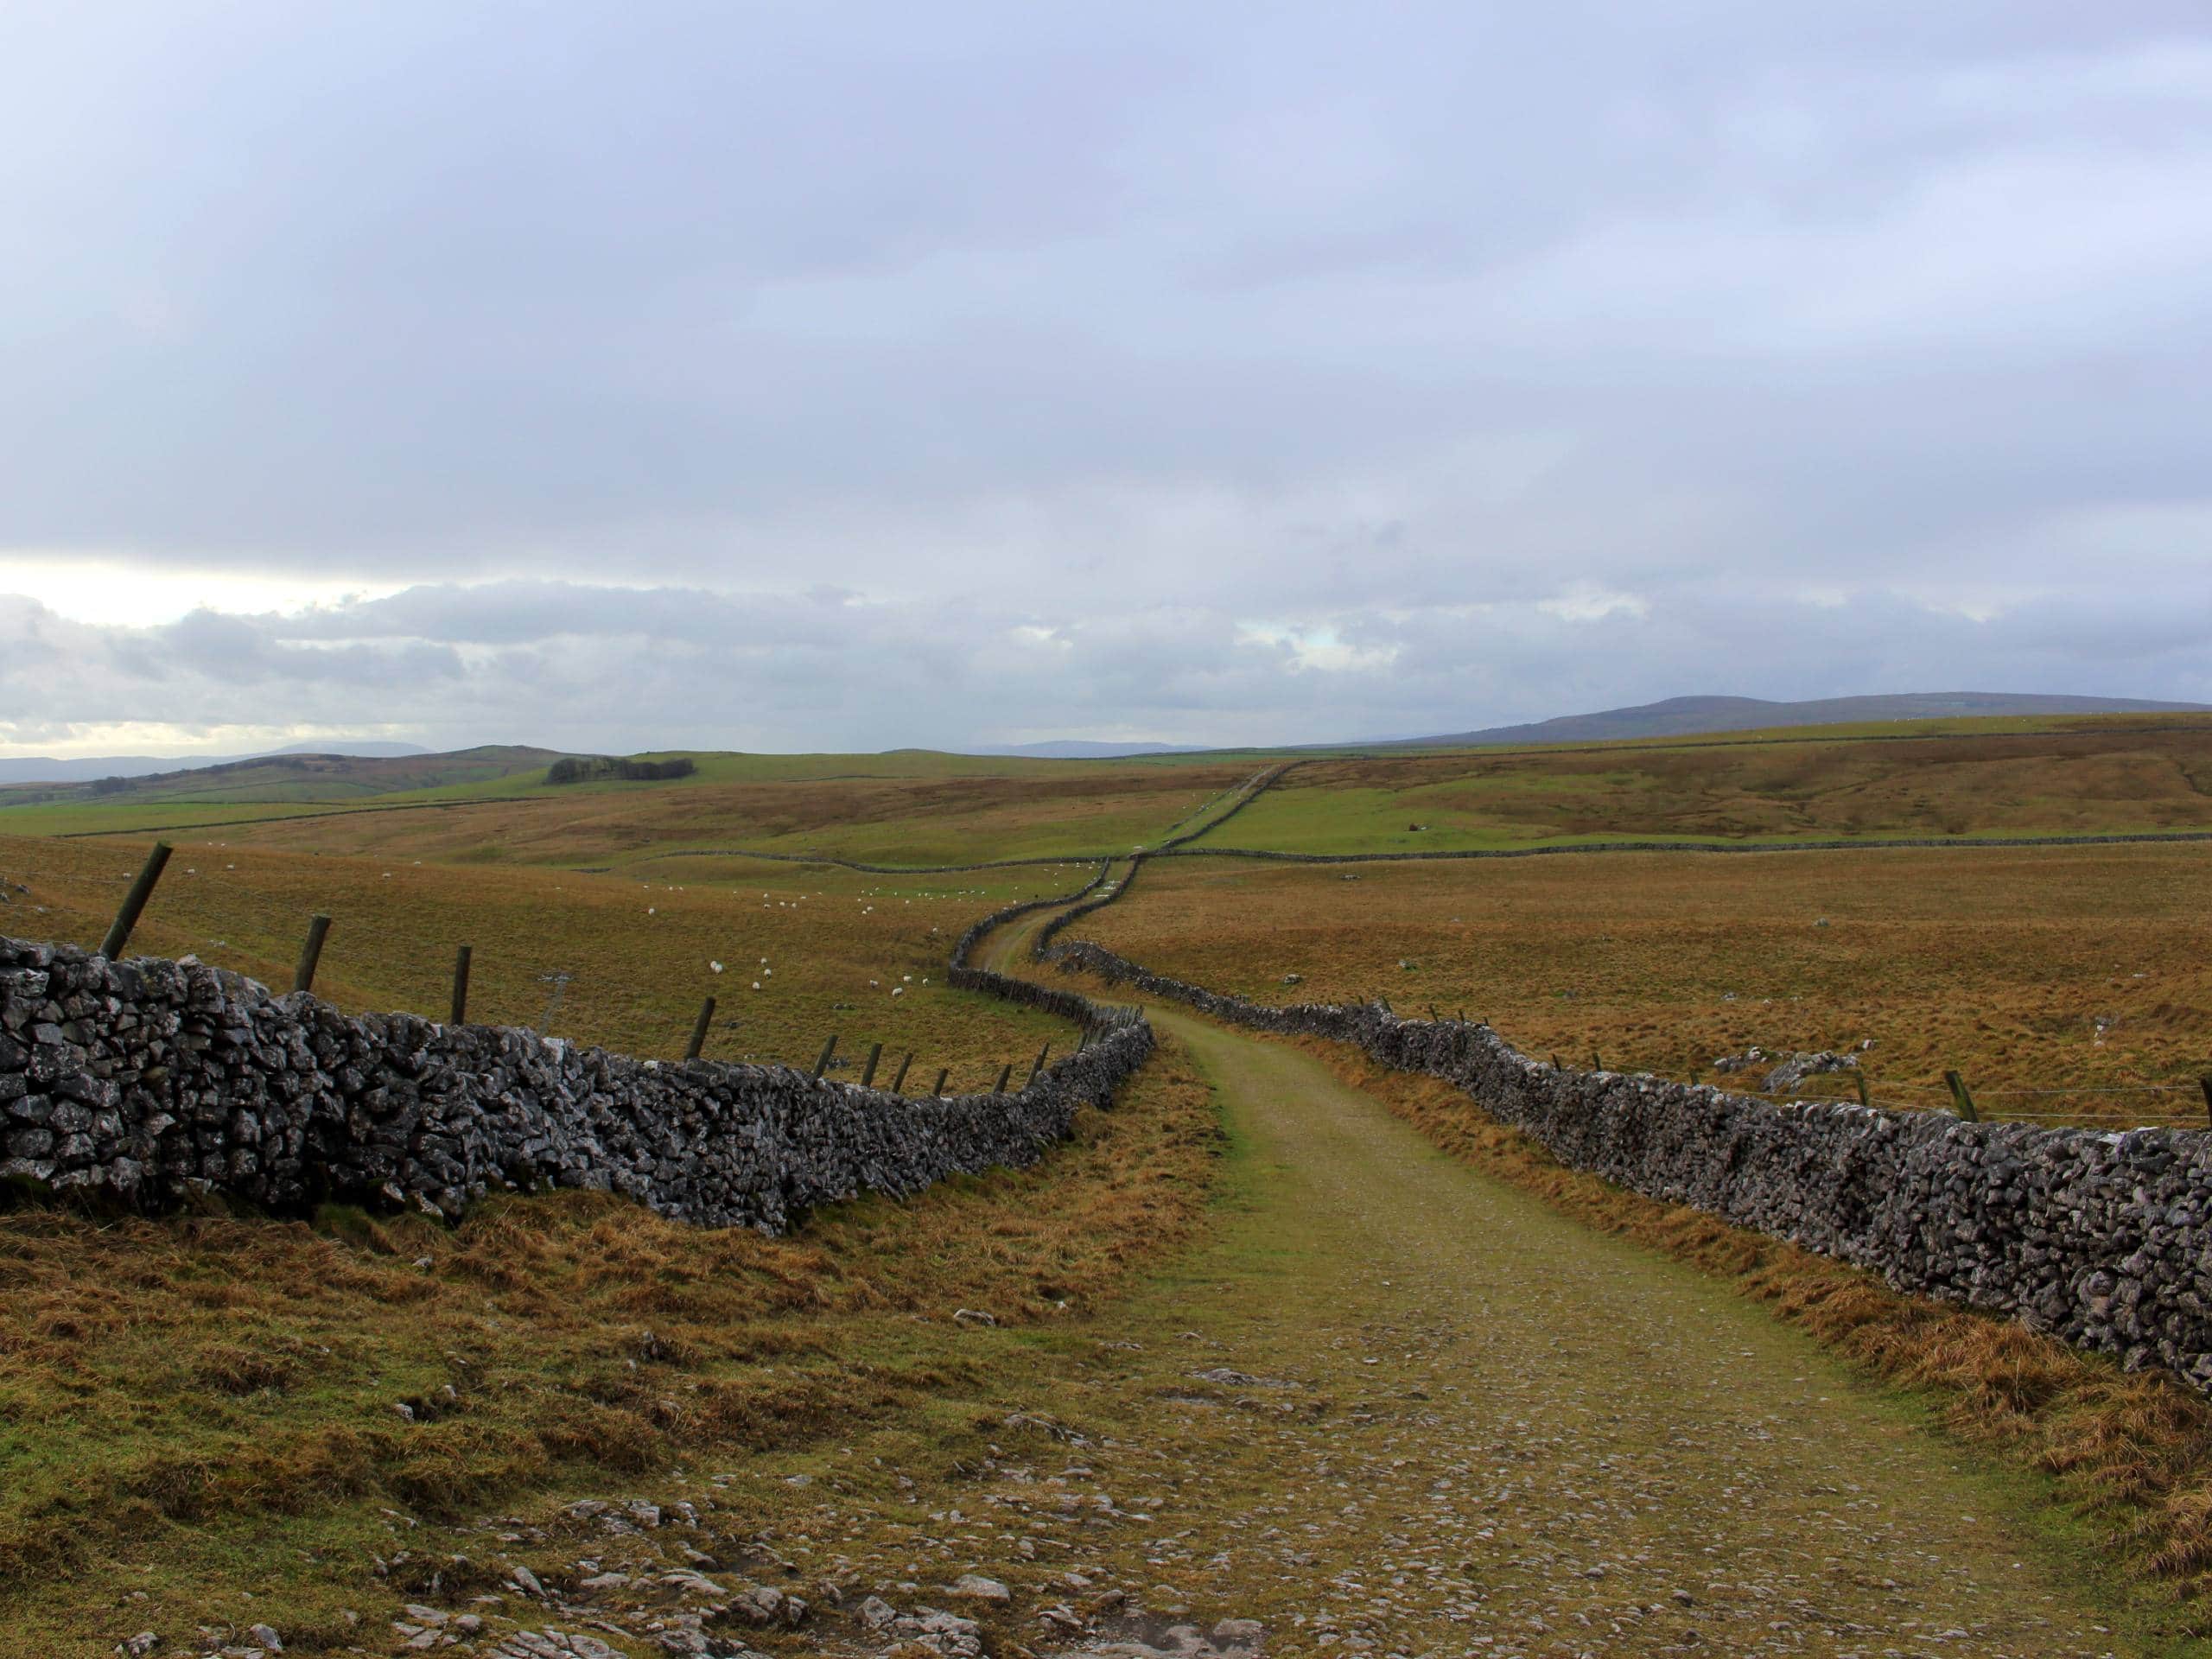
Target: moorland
[{"x": 1205, "y": 1359}]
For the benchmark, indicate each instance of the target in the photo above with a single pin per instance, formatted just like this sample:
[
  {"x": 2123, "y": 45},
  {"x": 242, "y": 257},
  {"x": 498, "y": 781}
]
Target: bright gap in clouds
[{"x": 125, "y": 592}]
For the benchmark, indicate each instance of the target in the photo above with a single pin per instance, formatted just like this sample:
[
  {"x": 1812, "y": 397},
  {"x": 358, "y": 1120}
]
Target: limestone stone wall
[
  {"x": 2098, "y": 1238},
  {"x": 146, "y": 1079}
]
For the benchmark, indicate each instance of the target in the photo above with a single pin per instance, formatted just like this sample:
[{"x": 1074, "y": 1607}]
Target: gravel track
[
  {"x": 1387, "y": 1406},
  {"x": 1551, "y": 1442}
]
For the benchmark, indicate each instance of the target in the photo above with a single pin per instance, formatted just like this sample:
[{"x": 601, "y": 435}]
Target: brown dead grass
[
  {"x": 2075, "y": 969},
  {"x": 173, "y": 1388},
  {"x": 2141, "y": 772},
  {"x": 638, "y": 953},
  {"x": 2135, "y": 1452},
  {"x": 881, "y": 819}
]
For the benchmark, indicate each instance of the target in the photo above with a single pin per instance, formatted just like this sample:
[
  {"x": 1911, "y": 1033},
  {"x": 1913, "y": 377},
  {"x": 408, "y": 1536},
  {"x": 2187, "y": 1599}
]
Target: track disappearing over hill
[{"x": 1535, "y": 1434}]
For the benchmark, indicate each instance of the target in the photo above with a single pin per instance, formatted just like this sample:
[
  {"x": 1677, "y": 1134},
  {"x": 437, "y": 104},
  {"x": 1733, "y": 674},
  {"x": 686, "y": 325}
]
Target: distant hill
[
  {"x": 295, "y": 776},
  {"x": 1685, "y": 716},
  {"x": 1078, "y": 749},
  {"x": 45, "y": 769}
]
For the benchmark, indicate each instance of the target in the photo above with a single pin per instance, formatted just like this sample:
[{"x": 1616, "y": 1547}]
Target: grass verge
[{"x": 227, "y": 1419}]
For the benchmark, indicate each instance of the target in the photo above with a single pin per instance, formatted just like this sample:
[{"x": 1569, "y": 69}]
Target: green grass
[
  {"x": 636, "y": 957},
  {"x": 2089, "y": 777},
  {"x": 908, "y": 807}
]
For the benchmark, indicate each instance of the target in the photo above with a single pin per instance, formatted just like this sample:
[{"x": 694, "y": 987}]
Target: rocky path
[
  {"x": 1420, "y": 1412},
  {"x": 1387, "y": 1406}
]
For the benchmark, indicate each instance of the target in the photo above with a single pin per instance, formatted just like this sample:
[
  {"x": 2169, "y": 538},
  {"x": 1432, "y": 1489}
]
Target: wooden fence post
[
  {"x": 1961, "y": 1098},
  {"x": 1859, "y": 1077},
  {"x": 699, "y": 1030},
  {"x": 1596, "y": 1064},
  {"x": 939, "y": 1091},
  {"x": 2205, "y": 1083},
  {"x": 1005, "y": 1071},
  {"x": 900, "y": 1082},
  {"x": 310, "y": 953},
  {"x": 460, "y": 986},
  {"x": 827, "y": 1049},
  {"x": 867, "y": 1071},
  {"x": 135, "y": 901},
  {"x": 1040, "y": 1064}
]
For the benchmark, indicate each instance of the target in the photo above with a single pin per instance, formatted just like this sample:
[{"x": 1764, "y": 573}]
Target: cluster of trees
[{"x": 585, "y": 769}]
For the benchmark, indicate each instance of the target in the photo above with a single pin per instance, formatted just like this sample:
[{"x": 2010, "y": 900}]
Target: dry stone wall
[
  {"x": 2098, "y": 1238},
  {"x": 145, "y": 1079},
  {"x": 1749, "y": 849}
]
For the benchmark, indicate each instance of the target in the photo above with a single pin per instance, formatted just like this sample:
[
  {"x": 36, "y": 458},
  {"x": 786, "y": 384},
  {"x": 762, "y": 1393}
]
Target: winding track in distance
[{"x": 1182, "y": 846}]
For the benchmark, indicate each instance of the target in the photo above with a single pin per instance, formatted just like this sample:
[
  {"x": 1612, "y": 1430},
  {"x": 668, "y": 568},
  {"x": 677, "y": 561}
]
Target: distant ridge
[
  {"x": 293, "y": 775},
  {"x": 1686, "y": 716},
  {"x": 1071, "y": 749},
  {"x": 45, "y": 769}
]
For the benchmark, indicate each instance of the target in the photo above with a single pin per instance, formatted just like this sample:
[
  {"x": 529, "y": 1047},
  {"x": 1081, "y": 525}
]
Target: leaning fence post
[
  {"x": 1961, "y": 1098},
  {"x": 1859, "y": 1077},
  {"x": 460, "y": 986},
  {"x": 1040, "y": 1064},
  {"x": 867, "y": 1071},
  {"x": 1005, "y": 1071},
  {"x": 827, "y": 1049},
  {"x": 2205, "y": 1083},
  {"x": 310, "y": 953},
  {"x": 1596, "y": 1064},
  {"x": 900, "y": 1082},
  {"x": 699, "y": 1030},
  {"x": 135, "y": 901},
  {"x": 939, "y": 1091}
]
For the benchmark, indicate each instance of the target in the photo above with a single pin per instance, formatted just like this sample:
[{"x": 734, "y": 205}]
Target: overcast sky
[{"x": 841, "y": 375}]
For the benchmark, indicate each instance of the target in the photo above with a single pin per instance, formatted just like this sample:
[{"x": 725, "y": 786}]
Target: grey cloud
[
  {"x": 583, "y": 673},
  {"x": 1145, "y": 324}
]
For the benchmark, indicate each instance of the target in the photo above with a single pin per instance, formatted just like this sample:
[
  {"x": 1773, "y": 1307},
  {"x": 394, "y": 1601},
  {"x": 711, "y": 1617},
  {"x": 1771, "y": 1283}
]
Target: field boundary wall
[
  {"x": 2096, "y": 1237},
  {"x": 2118, "y": 838},
  {"x": 148, "y": 1079}
]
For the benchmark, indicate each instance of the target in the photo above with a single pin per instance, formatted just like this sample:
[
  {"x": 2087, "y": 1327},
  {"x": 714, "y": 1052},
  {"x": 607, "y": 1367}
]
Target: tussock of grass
[
  {"x": 169, "y": 1383},
  {"x": 2133, "y": 1452}
]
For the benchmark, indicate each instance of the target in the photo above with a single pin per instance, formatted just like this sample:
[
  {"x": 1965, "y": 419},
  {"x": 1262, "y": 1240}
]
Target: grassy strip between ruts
[
  {"x": 201, "y": 1415},
  {"x": 2132, "y": 1453}
]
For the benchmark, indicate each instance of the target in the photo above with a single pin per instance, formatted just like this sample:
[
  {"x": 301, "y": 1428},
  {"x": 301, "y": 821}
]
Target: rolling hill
[
  {"x": 85, "y": 769},
  {"x": 294, "y": 776},
  {"x": 1688, "y": 716}
]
